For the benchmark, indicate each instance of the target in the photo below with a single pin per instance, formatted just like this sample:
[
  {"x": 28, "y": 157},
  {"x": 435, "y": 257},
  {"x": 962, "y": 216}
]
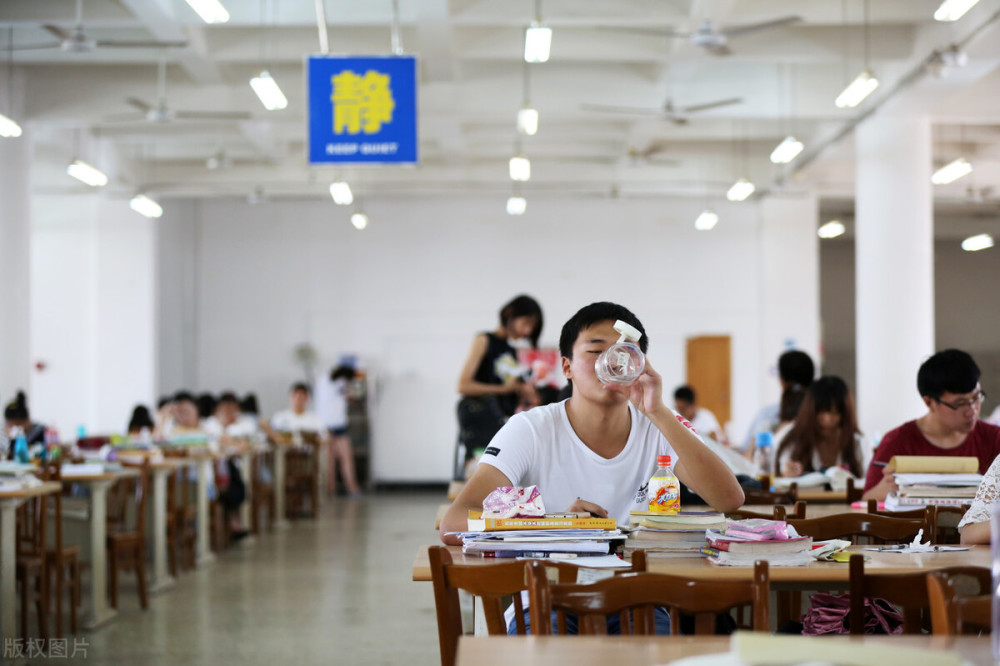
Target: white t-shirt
[
  {"x": 289, "y": 421},
  {"x": 331, "y": 402},
  {"x": 705, "y": 422},
  {"x": 238, "y": 428},
  {"x": 539, "y": 447}
]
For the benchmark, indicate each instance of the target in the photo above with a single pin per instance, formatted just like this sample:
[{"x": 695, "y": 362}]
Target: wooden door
[{"x": 708, "y": 373}]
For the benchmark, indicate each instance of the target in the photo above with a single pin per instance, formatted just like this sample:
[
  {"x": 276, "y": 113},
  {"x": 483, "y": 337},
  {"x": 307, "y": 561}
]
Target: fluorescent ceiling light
[
  {"x": 9, "y": 129},
  {"x": 210, "y": 11},
  {"x": 537, "y": 43},
  {"x": 977, "y": 242},
  {"x": 86, "y": 173},
  {"x": 143, "y": 205},
  {"x": 527, "y": 121},
  {"x": 787, "y": 150},
  {"x": 516, "y": 205},
  {"x": 341, "y": 193},
  {"x": 359, "y": 220},
  {"x": 268, "y": 92},
  {"x": 740, "y": 190},
  {"x": 952, "y": 171},
  {"x": 707, "y": 220},
  {"x": 831, "y": 229},
  {"x": 856, "y": 91},
  {"x": 520, "y": 168},
  {"x": 952, "y": 10}
]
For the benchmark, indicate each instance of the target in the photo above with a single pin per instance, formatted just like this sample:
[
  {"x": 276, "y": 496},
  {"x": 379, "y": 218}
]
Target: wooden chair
[
  {"x": 126, "y": 538},
  {"x": 182, "y": 516},
  {"x": 768, "y": 497},
  {"x": 30, "y": 563},
  {"x": 492, "y": 583},
  {"x": 641, "y": 593},
  {"x": 854, "y": 493},
  {"x": 876, "y": 528},
  {"x": 948, "y": 518},
  {"x": 953, "y": 612},
  {"x": 777, "y": 513},
  {"x": 907, "y": 591},
  {"x": 62, "y": 562},
  {"x": 302, "y": 477},
  {"x": 262, "y": 494}
]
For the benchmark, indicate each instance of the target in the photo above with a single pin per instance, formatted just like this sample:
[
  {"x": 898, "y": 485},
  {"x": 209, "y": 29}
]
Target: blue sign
[{"x": 362, "y": 109}]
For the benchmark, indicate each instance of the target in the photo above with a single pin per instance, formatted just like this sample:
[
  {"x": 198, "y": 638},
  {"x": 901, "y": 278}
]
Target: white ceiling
[{"x": 471, "y": 86}]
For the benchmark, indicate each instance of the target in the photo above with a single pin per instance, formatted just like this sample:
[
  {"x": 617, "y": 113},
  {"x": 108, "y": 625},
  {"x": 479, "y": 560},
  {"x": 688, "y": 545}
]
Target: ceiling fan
[
  {"x": 669, "y": 111},
  {"x": 77, "y": 41},
  {"x": 712, "y": 39},
  {"x": 161, "y": 112}
]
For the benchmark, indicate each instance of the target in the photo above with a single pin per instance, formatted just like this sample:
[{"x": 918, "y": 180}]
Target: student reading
[{"x": 596, "y": 450}]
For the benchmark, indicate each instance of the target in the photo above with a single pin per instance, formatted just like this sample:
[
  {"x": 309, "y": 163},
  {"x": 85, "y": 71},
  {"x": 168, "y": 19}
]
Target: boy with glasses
[{"x": 949, "y": 384}]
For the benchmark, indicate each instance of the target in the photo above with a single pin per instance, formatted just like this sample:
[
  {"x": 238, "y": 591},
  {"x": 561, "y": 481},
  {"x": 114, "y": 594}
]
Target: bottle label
[{"x": 664, "y": 494}]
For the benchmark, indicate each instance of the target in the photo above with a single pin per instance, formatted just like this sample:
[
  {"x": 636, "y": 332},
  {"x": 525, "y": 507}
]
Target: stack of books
[
  {"x": 745, "y": 541},
  {"x": 680, "y": 534},
  {"x": 933, "y": 480},
  {"x": 562, "y": 534}
]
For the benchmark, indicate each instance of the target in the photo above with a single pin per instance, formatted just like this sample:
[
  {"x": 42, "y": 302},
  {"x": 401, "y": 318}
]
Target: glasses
[{"x": 976, "y": 401}]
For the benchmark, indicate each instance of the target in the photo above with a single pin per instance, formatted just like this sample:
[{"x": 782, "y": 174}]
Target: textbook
[
  {"x": 683, "y": 520},
  {"x": 895, "y": 503},
  {"x": 797, "y": 545},
  {"x": 934, "y": 464},
  {"x": 560, "y": 521}
]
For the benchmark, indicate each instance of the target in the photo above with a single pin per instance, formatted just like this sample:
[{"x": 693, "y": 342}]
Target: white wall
[
  {"x": 92, "y": 311},
  {"x": 408, "y": 294},
  {"x": 15, "y": 244}
]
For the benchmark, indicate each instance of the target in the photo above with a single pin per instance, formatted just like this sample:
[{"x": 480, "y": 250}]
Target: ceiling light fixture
[
  {"x": 210, "y": 11},
  {"x": 268, "y": 92},
  {"x": 359, "y": 220},
  {"x": 952, "y": 10},
  {"x": 857, "y": 90},
  {"x": 977, "y": 242},
  {"x": 87, "y": 173},
  {"x": 9, "y": 129},
  {"x": 831, "y": 229},
  {"x": 787, "y": 150},
  {"x": 952, "y": 171},
  {"x": 707, "y": 220},
  {"x": 143, "y": 205},
  {"x": 516, "y": 205},
  {"x": 341, "y": 193},
  {"x": 740, "y": 190},
  {"x": 527, "y": 121},
  {"x": 520, "y": 168},
  {"x": 537, "y": 38}
]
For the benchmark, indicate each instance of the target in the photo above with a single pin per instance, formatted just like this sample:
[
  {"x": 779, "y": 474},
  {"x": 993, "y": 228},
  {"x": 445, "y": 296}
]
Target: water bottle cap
[
  {"x": 662, "y": 461},
  {"x": 765, "y": 438},
  {"x": 628, "y": 331}
]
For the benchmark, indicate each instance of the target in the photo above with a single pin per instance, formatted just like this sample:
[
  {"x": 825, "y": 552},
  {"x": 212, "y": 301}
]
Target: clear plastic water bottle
[
  {"x": 763, "y": 453},
  {"x": 21, "y": 449},
  {"x": 622, "y": 362}
]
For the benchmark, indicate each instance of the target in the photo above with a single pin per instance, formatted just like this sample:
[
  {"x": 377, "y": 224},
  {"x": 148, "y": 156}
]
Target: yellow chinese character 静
[{"x": 361, "y": 103}]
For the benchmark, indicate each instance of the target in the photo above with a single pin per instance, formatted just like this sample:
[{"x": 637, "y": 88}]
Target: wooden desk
[
  {"x": 812, "y": 510},
  {"x": 649, "y": 650},
  {"x": 454, "y": 488},
  {"x": 819, "y": 496},
  {"x": 99, "y": 611},
  {"x": 818, "y": 572},
  {"x": 9, "y": 501}
]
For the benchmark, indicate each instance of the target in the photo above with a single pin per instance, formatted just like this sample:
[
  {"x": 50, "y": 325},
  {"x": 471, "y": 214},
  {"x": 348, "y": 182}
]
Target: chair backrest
[
  {"x": 779, "y": 512},
  {"x": 953, "y": 609},
  {"x": 877, "y": 528},
  {"x": 30, "y": 530},
  {"x": 854, "y": 493},
  {"x": 635, "y": 596},
  {"x": 126, "y": 493},
  {"x": 52, "y": 471},
  {"x": 767, "y": 497}
]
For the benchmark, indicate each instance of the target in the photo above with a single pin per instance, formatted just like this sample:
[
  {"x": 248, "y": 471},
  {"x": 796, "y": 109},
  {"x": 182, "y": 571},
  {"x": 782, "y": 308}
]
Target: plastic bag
[
  {"x": 512, "y": 502},
  {"x": 830, "y": 614}
]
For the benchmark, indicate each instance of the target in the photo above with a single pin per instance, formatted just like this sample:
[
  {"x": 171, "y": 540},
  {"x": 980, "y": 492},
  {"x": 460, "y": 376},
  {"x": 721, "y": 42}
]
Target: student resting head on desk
[
  {"x": 596, "y": 450},
  {"x": 949, "y": 384}
]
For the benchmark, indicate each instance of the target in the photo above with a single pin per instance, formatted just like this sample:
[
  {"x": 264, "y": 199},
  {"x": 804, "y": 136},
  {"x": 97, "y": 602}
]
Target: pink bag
[{"x": 829, "y": 615}]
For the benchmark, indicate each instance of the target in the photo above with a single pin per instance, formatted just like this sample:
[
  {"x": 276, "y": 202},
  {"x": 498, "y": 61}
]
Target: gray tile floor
[{"x": 334, "y": 590}]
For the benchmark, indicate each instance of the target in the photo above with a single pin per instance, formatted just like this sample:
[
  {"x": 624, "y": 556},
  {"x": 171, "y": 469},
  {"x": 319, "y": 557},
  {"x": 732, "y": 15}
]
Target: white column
[
  {"x": 894, "y": 248},
  {"x": 789, "y": 285},
  {"x": 203, "y": 546},
  {"x": 15, "y": 254}
]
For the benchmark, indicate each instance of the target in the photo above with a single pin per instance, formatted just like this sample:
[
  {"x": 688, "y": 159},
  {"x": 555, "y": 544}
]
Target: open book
[{"x": 836, "y": 477}]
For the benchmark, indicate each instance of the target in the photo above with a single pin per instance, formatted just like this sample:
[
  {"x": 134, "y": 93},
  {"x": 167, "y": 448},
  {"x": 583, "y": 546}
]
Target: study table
[
  {"x": 161, "y": 470},
  {"x": 654, "y": 650},
  {"x": 9, "y": 501},
  {"x": 817, "y": 572}
]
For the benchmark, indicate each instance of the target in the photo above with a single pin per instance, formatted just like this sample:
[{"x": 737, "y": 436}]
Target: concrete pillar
[{"x": 894, "y": 247}]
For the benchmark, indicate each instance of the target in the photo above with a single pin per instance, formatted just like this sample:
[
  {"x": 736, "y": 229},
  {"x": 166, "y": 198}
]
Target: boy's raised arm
[{"x": 485, "y": 480}]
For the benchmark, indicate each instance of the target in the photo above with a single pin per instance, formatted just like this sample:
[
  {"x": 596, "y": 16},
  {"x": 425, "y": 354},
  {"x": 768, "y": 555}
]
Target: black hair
[
  {"x": 163, "y": 400},
  {"x": 524, "y": 306},
  {"x": 184, "y": 396},
  {"x": 301, "y": 386},
  {"x": 248, "y": 405},
  {"x": 948, "y": 371},
  {"x": 140, "y": 419},
  {"x": 595, "y": 313},
  {"x": 342, "y": 371},
  {"x": 17, "y": 409},
  {"x": 684, "y": 393},
  {"x": 827, "y": 394},
  {"x": 796, "y": 367},
  {"x": 228, "y": 397},
  {"x": 791, "y": 401},
  {"x": 206, "y": 404}
]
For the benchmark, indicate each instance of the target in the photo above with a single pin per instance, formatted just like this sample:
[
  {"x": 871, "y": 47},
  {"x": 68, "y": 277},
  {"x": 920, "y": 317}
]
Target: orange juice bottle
[{"x": 664, "y": 489}]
